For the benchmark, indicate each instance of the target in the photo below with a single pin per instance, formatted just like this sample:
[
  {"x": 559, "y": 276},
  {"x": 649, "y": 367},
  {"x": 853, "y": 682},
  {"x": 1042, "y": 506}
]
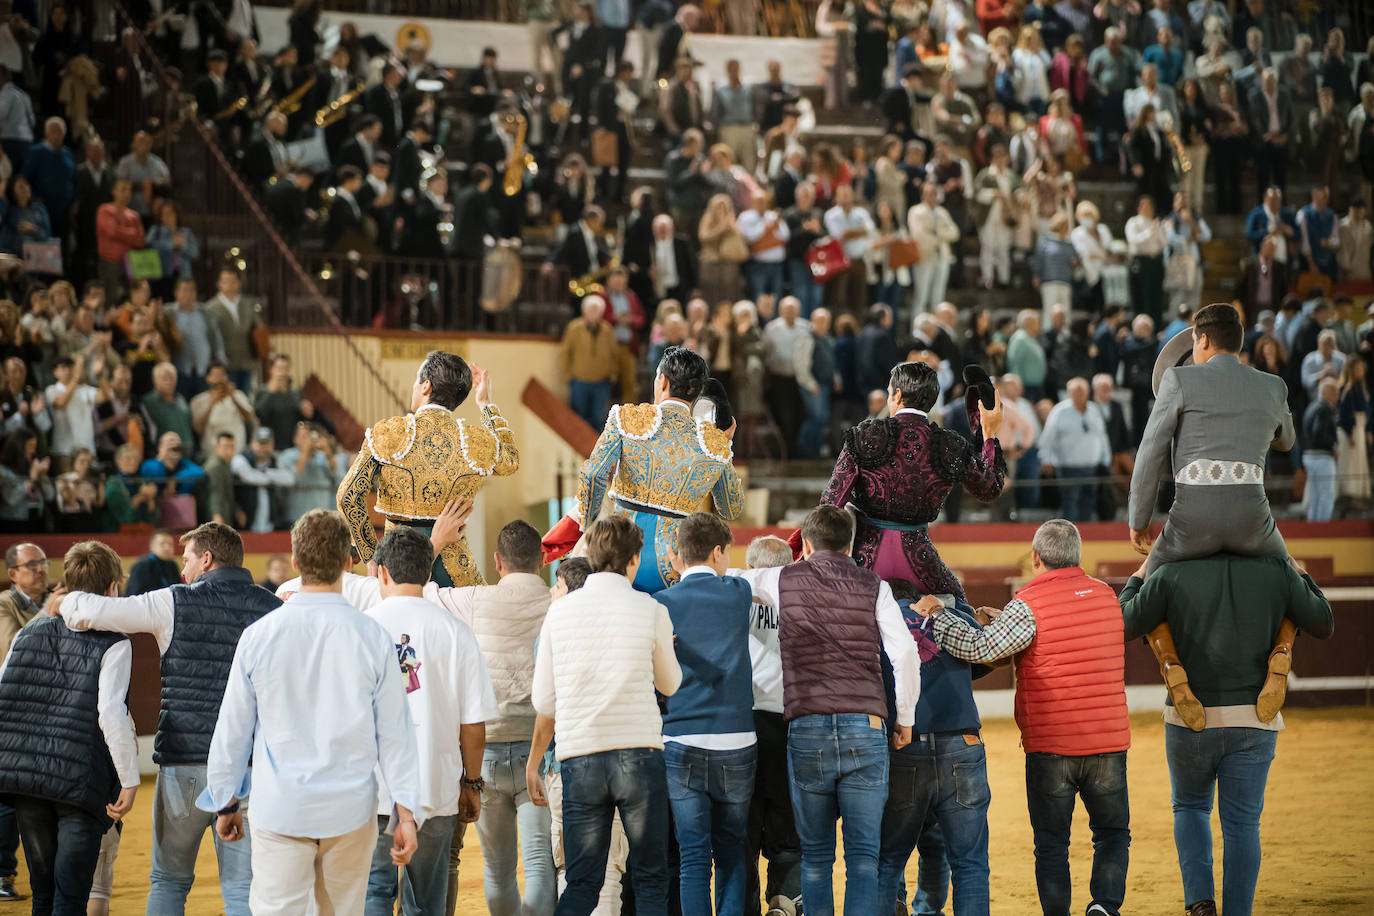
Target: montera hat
[{"x": 1177, "y": 352}]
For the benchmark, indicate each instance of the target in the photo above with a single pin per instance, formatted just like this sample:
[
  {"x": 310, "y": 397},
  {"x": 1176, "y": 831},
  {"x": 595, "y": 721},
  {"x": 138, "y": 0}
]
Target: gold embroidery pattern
[{"x": 352, "y": 500}]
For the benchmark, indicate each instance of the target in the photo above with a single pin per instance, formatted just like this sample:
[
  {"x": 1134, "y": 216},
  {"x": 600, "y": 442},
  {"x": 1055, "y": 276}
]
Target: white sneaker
[{"x": 1097, "y": 909}]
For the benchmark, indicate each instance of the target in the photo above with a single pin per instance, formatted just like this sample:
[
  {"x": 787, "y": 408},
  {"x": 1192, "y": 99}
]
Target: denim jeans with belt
[
  {"x": 946, "y": 775},
  {"x": 838, "y": 767},
  {"x": 709, "y": 792},
  {"x": 178, "y": 829},
  {"x": 595, "y": 786},
  {"x": 589, "y": 399},
  {"x": 506, "y": 810},
  {"x": 1234, "y": 764},
  {"x": 424, "y": 884},
  {"x": 1052, "y": 784}
]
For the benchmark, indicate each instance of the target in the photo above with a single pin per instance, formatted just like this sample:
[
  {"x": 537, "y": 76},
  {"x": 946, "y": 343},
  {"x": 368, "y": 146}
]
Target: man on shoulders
[
  {"x": 1226, "y": 611},
  {"x": 446, "y": 682},
  {"x": 197, "y": 627},
  {"x": 319, "y": 733}
]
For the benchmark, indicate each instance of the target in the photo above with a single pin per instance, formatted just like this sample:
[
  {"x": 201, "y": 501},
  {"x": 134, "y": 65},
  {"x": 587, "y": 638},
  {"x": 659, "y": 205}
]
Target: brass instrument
[
  {"x": 292, "y": 103},
  {"x": 590, "y": 283},
  {"x": 262, "y": 98},
  {"x": 520, "y": 160},
  {"x": 338, "y": 108},
  {"x": 233, "y": 108},
  {"x": 1180, "y": 156}
]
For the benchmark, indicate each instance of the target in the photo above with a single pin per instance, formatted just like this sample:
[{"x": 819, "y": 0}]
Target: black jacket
[
  {"x": 378, "y": 101},
  {"x": 572, "y": 253},
  {"x": 471, "y": 222}
]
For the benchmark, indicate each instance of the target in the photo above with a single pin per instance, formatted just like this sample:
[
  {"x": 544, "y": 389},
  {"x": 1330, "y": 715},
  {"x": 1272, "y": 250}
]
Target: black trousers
[
  {"x": 785, "y": 404},
  {"x": 62, "y": 848},
  {"x": 1271, "y": 166},
  {"x": 772, "y": 826}
]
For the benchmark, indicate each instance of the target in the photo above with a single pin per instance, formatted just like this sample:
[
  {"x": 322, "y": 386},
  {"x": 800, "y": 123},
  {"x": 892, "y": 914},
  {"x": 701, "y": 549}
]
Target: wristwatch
[
  {"x": 231, "y": 809},
  {"x": 479, "y": 783}
]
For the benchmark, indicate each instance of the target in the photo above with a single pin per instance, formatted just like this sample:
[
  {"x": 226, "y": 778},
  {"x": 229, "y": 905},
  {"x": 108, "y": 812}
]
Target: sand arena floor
[{"x": 1317, "y": 830}]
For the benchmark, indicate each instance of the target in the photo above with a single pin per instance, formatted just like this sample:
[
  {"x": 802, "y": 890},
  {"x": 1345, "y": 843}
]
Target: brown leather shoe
[
  {"x": 1188, "y": 706},
  {"x": 1275, "y": 689},
  {"x": 1202, "y": 908}
]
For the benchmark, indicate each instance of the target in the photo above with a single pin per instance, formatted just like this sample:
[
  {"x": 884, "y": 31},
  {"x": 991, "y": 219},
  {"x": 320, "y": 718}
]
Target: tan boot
[
  {"x": 1275, "y": 689},
  {"x": 1188, "y": 707}
]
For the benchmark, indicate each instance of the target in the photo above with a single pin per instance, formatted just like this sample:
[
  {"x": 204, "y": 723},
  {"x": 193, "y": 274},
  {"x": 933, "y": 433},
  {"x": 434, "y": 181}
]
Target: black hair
[
  {"x": 574, "y": 572},
  {"x": 518, "y": 545},
  {"x": 918, "y": 383},
  {"x": 904, "y": 590},
  {"x": 366, "y": 122},
  {"x": 449, "y": 378},
  {"x": 349, "y": 173},
  {"x": 686, "y": 372},
  {"x": 699, "y": 535},
  {"x": 406, "y": 554}
]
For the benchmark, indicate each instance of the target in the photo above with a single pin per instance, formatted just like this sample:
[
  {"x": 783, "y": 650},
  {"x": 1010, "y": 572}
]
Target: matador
[{"x": 417, "y": 463}]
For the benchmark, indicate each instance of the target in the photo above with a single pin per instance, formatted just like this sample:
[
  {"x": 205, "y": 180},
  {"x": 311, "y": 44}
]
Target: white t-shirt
[
  {"x": 363, "y": 592},
  {"x": 73, "y": 426},
  {"x": 447, "y": 685}
]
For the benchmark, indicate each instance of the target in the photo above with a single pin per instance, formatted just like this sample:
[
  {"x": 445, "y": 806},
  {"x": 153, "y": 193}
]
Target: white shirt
[
  {"x": 752, "y": 225},
  {"x": 452, "y": 687},
  {"x": 1280, "y": 240},
  {"x": 1092, "y": 243},
  {"x": 315, "y": 698},
  {"x": 665, "y": 265},
  {"x": 264, "y": 479},
  {"x": 151, "y": 612},
  {"x": 115, "y": 723},
  {"x": 1145, "y": 237},
  {"x": 73, "y": 426},
  {"x": 897, "y": 643},
  {"x": 837, "y": 223},
  {"x": 1075, "y": 440},
  {"x": 222, "y": 416}
]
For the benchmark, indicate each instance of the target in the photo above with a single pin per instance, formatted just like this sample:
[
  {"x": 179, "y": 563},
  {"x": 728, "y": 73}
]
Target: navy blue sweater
[
  {"x": 946, "y": 703},
  {"x": 711, "y": 638}
]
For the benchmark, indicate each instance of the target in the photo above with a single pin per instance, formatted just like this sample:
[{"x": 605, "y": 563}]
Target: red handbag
[{"x": 825, "y": 259}]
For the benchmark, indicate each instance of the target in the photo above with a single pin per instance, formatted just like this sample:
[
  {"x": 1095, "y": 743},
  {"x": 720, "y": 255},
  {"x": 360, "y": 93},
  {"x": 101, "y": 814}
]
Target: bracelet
[
  {"x": 479, "y": 783},
  {"x": 231, "y": 809}
]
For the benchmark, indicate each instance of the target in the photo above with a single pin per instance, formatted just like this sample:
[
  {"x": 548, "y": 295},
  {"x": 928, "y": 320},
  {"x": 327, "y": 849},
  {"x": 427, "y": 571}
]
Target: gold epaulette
[
  {"x": 480, "y": 447},
  {"x": 714, "y": 441},
  {"x": 637, "y": 421},
  {"x": 390, "y": 440}
]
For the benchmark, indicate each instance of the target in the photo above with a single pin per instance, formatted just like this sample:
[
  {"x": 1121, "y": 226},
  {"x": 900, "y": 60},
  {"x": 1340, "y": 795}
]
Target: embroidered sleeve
[
  {"x": 489, "y": 449},
  {"x": 986, "y": 473},
  {"x": 728, "y": 494},
  {"x": 597, "y": 471},
  {"x": 714, "y": 441},
  {"x": 637, "y": 421},
  {"x": 352, "y": 498},
  {"x": 842, "y": 479}
]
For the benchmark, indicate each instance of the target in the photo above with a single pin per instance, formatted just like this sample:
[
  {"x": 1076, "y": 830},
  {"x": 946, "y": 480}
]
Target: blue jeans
[
  {"x": 808, "y": 292},
  {"x": 932, "y": 871},
  {"x": 1321, "y": 486},
  {"x": 506, "y": 811},
  {"x": 595, "y": 786},
  {"x": 709, "y": 792},
  {"x": 1077, "y": 501},
  {"x": 837, "y": 765},
  {"x": 425, "y": 885},
  {"x": 588, "y": 400},
  {"x": 1233, "y": 763},
  {"x": 948, "y": 777},
  {"x": 815, "y": 422},
  {"x": 1052, "y": 782},
  {"x": 1028, "y": 479},
  {"x": 764, "y": 277},
  {"x": 178, "y": 828},
  {"x": 9, "y": 842},
  {"x": 61, "y": 849}
]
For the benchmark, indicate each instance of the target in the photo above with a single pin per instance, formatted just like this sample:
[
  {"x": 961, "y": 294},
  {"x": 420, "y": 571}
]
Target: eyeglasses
[{"x": 33, "y": 565}]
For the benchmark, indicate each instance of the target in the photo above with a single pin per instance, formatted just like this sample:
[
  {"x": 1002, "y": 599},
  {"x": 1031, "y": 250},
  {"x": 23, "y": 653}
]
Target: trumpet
[
  {"x": 292, "y": 103},
  {"x": 338, "y": 108}
]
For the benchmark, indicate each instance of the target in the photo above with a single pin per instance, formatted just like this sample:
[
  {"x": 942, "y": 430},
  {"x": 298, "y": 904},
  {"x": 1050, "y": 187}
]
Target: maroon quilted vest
[{"x": 828, "y": 635}]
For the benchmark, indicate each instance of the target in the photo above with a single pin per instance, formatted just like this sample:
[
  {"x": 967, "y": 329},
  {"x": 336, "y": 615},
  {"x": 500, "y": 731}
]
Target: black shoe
[
  {"x": 7, "y": 891},
  {"x": 1202, "y": 908}
]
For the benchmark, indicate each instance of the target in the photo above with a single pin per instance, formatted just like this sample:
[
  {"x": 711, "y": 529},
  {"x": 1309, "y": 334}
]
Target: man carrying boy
[
  {"x": 708, "y": 733},
  {"x": 74, "y": 774}
]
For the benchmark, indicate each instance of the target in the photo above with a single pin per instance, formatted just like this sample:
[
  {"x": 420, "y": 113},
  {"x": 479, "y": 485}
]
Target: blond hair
[
  {"x": 92, "y": 566},
  {"x": 320, "y": 547}
]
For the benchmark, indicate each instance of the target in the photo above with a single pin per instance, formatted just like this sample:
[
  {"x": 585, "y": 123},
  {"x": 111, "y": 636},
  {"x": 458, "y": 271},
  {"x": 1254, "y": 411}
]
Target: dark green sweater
[{"x": 1224, "y": 611}]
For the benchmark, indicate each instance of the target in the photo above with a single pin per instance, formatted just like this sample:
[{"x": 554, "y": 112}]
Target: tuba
[{"x": 520, "y": 159}]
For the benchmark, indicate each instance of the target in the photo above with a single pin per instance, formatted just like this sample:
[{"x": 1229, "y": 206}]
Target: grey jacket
[
  {"x": 238, "y": 334},
  {"x": 1221, "y": 410}
]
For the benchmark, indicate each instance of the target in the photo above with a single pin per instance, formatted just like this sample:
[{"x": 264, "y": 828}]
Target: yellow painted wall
[{"x": 512, "y": 363}]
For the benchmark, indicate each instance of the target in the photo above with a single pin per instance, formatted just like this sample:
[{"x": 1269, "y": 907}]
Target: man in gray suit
[
  {"x": 237, "y": 316},
  {"x": 1220, "y": 418}
]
